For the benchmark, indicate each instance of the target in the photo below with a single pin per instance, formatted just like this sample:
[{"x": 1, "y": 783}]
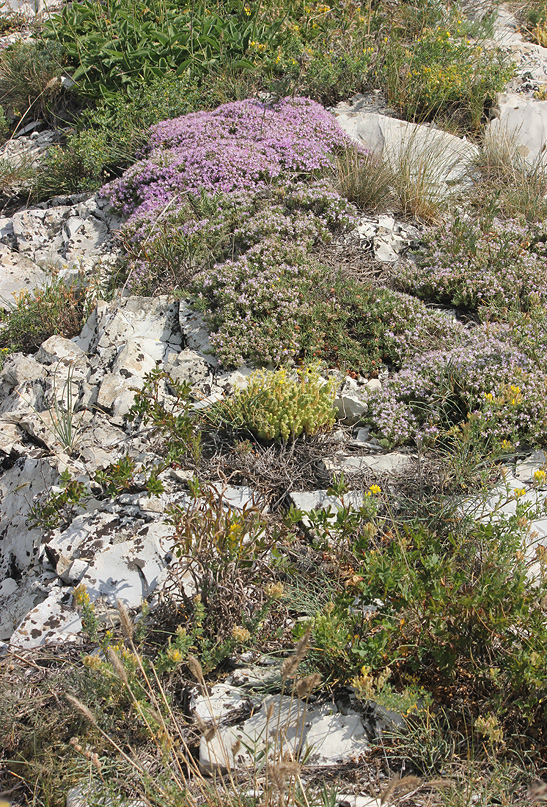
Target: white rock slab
[
  {"x": 333, "y": 738},
  {"x": 222, "y": 700},
  {"x": 18, "y": 487},
  {"x": 51, "y": 622},
  {"x": 521, "y": 126},
  {"x": 285, "y": 725},
  {"x": 321, "y": 500},
  {"x": 17, "y": 273},
  {"x": 196, "y": 334},
  {"x": 129, "y": 570},
  {"x": 449, "y": 158}
]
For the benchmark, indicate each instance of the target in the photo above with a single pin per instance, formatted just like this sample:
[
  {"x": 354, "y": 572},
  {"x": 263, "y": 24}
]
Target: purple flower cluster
[
  {"x": 438, "y": 389},
  {"x": 239, "y": 146}
]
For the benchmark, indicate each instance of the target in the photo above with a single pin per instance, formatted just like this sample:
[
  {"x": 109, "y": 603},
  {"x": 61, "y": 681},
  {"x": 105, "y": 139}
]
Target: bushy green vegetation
[
  {"x": 282, "y": 405},
  {"x": 421, "y": 608},
  {"x": 58, "y": 308}
]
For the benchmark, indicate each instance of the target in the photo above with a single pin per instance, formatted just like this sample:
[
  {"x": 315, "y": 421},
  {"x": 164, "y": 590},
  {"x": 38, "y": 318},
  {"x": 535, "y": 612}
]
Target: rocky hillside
[{"x": 273, "y": 404}]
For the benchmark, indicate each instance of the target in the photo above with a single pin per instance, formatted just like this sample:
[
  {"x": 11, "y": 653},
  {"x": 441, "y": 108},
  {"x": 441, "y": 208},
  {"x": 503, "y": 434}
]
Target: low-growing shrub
[
  {"x": 456, "y": 608},
  {"x": 485, "y": 381},
  {"x": 27, "y": 78},
  {"x": 439, "y": 73},
  {"x": 484, "y": 266},
  {"x": 58, "y": 308},
  {"x": 282, "y": 405}
]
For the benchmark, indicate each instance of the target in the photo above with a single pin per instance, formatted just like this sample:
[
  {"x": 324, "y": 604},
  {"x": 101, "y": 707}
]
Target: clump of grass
[
  {"x": 364, "y": 179},
  {"x": 16, "y": 174},
  {"x": 409, "y": 177},
  {"x": 514, "y": 187}
]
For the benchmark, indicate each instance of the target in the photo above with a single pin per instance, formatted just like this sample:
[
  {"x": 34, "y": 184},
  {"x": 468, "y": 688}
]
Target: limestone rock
[
  {"x": 286, "y": 725},
  {"x": 18, "y": 273},
  {"x": 520, "y": 125},
  {"x": 449, "y": 158},
  {"x": 221, "y": 701},
  {"x": 51, "y": 622},
  {"x": 196, "y": 334},
  {"x": 18, "y": 487},
  {"x": 58, "y": 349},
  {"x": 378, "y": 463}
]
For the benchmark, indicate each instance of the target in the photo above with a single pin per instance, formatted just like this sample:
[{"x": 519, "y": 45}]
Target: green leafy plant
[
  {"x": 58, "y": 308},
  {"x": 30, "y": 79},
  {"x": 458, "y": 605},
  {"x": 172, "y": 419},
  {"x": 441, "y": 73},
  {"x": 121, "y": 43},
  {"x": 59, "y": 506},
  {"x": 280, "y": 405}
]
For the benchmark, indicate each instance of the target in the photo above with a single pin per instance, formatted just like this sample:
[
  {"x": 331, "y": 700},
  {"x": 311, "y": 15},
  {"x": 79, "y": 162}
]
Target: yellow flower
[
  {"x": 539, "y": 475},
  {"x": 518, "y": 492},
  {"x": 274, "y": 590},
  {"x": 247, "y": 10},
  {"x": 174, "y": 655},
  {"x": 240, "y": 634},
  {"x": 375, "y": 489}
]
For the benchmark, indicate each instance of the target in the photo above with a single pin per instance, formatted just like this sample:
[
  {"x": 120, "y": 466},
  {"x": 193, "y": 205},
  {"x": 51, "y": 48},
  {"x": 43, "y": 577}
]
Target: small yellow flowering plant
[{"x": 282, "y": 405}]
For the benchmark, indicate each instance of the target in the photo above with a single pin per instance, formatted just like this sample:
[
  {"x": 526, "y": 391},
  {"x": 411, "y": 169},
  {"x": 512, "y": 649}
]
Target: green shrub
[
  {"x": 457, "y": 607},
  {"x": 123, "y": 43},
  {"x": 440, "y": 73},
  {"x": 279, "y": 405},
  {"x": 27, "y": 70},
  {"x": 112, "y": 133},
  {"x": 360, "y": 327},
  {"x": 58, "y": 308}
]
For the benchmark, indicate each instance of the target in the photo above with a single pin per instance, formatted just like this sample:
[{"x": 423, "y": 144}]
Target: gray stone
[
  {"x": 17, "y": 369},
  {"x": 18, "y": 274},
  {"x": 130, "y": 570},
  {"x": 117, "y": 393},
  {"x": 525, "y": 470},
  {"x": 286, "y": 725},
  {"x": 18, "y": 487},
  {"x": 153, "y": 318},
  {"x": 333, "y": 738},
  {"x": 138, "y": 357},
  {"x": 51, "y": 622},
  {"x": 85, "y": 795},
  {"x": 351, "y": 800},
  {"x": 306, "y": 501},
  {"x": 377, "y": 463},
  {"x": 196, "y": 334},
  {"x": 187, "y": 366},
  {"x": 222, "y": 700},
  {"x": 520, "y": 128},
  {"x": 350, "y": 408},
  {"x": 8, "y": 587},
  {"x": 238, "y": 498},
  {"x": 58, "y": 349}
]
